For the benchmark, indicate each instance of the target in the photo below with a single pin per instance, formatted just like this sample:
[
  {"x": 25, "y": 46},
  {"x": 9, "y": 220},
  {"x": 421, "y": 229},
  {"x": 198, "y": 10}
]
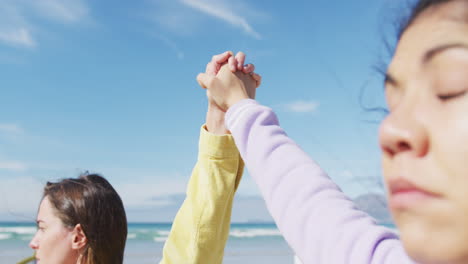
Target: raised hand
[
  {"x": 215, "y": 114},
  {"x": 230, "y": 83},
  {"x": 236, "y": 63}
]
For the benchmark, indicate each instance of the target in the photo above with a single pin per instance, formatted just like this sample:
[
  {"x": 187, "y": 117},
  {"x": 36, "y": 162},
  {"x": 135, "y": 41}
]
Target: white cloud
[
  {"x": 221, "y": 10},
  {"x": 18, "y": 37},
  {"x": 14, "y": 28},
  {"x": 302, "y": 106},
  {"x": 11, "y": 129},
  {"x": 13, "y": 166},
  {"x": 19, "y": 198},
  {"x": 65, "y": 11},
  {"x": 19, "y": 18},
  {"x": 187, "y": 17}
]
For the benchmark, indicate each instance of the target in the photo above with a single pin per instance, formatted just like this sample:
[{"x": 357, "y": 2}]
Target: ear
[{"x": 79, "y": 239}]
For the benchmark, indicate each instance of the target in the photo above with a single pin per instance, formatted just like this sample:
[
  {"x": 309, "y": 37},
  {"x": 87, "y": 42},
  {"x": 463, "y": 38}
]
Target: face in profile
[
  {"x": 425, "y": 136},
  {"x": 53, "y": 242}
]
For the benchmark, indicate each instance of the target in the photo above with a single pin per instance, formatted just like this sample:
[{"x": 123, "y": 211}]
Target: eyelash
[{"x": 446, "y": 97}]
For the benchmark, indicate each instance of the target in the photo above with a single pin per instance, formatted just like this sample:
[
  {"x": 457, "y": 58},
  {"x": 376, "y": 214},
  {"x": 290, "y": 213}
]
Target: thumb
[{"x": 205, "y": 80}]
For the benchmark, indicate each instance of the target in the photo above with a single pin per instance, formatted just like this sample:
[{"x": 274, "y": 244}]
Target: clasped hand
[{"x": 228, "y": 80}]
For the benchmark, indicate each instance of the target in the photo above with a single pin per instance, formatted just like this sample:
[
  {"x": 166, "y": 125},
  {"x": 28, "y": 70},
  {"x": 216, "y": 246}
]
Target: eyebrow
[
  {"x": 428, "y": 56},
  {"x": 437, "y": 50}
]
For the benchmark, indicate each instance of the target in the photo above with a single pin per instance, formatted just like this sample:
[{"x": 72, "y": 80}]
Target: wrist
[
  {"x": 217, "y": 128},
  {"x": 215, "y": 121},
  {"x": 236, "y": 99}
]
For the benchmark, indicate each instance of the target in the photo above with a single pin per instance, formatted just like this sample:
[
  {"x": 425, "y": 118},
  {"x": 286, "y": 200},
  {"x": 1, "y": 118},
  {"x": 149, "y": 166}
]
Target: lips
[{"x": 405, "y": 194}]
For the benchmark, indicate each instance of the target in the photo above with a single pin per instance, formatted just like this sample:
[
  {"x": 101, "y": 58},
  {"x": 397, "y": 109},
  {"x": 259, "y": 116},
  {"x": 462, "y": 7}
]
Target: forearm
[
  {"x": 319, "y": 222},
  {"x": 201, "y": 227}
]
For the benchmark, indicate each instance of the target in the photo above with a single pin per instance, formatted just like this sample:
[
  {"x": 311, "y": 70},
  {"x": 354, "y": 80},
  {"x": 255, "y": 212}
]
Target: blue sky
[{"x": 109, "y": 87}]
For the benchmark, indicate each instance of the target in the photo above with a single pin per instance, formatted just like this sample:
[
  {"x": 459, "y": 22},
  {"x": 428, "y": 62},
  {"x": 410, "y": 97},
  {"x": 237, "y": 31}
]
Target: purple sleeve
[{"x": 317, "y": 220}]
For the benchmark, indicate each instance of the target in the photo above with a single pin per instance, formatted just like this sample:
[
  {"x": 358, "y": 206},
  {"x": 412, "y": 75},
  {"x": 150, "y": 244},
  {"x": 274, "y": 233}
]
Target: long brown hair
[{"x": 91, "y": 201}]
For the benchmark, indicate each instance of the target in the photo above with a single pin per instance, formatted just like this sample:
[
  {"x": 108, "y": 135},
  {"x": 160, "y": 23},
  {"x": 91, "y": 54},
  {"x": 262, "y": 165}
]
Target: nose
[
  {"x": 403, "y": 131},
  {"x": 34, "y": 243}
]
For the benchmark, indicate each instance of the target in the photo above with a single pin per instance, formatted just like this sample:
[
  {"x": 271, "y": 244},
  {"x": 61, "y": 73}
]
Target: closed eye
[{"x": 445, "y": 97}]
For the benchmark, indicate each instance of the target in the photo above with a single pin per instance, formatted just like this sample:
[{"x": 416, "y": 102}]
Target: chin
[
  {"x": 428, "y": 245},
  {"x": 426, "y": 256}
]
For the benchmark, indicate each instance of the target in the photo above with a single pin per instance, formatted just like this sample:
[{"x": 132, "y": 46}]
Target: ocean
[{"x": 248, "y": 243}]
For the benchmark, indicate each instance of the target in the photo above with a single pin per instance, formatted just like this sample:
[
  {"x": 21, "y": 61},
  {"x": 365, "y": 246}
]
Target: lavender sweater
[{"x": 317, "y": 220}]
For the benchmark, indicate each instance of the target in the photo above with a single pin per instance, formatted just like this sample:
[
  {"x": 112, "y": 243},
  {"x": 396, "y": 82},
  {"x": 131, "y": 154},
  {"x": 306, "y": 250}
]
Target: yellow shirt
[{"x": 201, "y": 227}]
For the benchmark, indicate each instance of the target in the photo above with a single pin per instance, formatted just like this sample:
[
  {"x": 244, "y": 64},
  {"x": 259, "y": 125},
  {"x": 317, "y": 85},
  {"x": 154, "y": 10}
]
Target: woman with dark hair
[
  {"x": 424, "y": 143},
  {"x": 80, "y": 221}
]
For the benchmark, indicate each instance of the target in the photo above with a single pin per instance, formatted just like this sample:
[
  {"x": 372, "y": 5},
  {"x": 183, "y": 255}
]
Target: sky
[{"x": 109, "y": 87}]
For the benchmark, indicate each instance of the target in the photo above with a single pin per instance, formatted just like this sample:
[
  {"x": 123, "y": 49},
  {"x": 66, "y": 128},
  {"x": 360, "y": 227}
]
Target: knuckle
[{"x": 210, "y": 82}]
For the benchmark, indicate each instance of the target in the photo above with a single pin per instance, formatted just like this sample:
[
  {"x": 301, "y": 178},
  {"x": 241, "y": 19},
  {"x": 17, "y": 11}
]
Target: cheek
[
  {"x": 446, "y": 167},
  {"x": 449, "y": 154},
  {"x": 449, "y": 145},
  {"x": 56, "y": 246}
]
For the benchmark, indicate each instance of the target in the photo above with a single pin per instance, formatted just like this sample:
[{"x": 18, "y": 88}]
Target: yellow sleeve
[
  {"x": 27, "y": 260},
  {"x": 201, "y": 227}
]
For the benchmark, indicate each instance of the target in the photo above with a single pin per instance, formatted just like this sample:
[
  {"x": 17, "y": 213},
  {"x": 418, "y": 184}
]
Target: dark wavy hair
[{"x": 91, "y": 201}]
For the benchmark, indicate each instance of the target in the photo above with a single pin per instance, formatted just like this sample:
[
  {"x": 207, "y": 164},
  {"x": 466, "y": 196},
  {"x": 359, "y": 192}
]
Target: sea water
[{"x": 247, "y": 243}]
